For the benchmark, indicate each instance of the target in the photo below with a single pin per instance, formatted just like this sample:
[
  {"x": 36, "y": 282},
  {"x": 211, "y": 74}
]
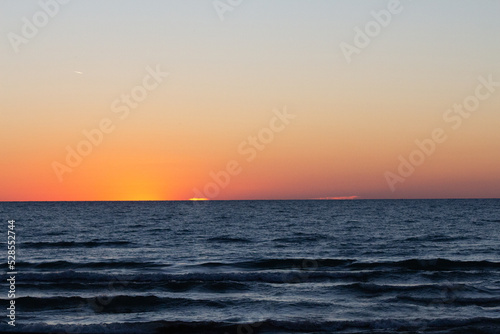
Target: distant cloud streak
[{"x": 338, "y": 198}]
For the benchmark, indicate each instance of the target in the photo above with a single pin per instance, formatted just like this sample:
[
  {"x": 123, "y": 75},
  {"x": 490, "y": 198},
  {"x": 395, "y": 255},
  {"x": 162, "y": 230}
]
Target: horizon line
[{"x": 248, "y": 200}]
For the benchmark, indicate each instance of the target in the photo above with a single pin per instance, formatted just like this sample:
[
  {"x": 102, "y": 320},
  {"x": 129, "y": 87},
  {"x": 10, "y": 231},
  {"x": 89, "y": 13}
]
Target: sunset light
[
  {"x": 347, "y": 154},
  {"x": 216, "y": 100}
]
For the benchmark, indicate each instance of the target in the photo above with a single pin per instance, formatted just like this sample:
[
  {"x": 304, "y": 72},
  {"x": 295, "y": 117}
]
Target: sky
[{"x": 250, "y": 99}]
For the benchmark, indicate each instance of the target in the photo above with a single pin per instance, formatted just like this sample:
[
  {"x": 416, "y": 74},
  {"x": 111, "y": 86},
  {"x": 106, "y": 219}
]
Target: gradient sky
[{"x": 353, "y": 120}]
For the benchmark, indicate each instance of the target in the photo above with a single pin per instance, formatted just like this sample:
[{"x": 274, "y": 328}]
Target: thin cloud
[{"x": 338, "y": 198}]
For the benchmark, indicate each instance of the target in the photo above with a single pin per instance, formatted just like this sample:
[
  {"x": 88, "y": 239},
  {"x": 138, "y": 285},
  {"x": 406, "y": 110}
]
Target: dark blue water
[{"x": 412, "y": 266}]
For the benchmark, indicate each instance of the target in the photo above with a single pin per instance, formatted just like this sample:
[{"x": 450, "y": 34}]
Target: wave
[
  {"x": 429, "y": 264},
  {"x": 451, "y": 299},
  {"x": 427, "y": 288},
  {"x": 293, "y": 263},
  {"x": 476, "y": 325},
  {"x": 71, "y": 244},
  {"x": 96, "y": 265},
  {"x": 301, "y": 238},
  {"x": 491, "y": 220},
  {"x": 293, "y": 270},
  {"x": 110, "y": 303},
  {"x": 227, "y": 239},
  {"x": 69, "y": 276},
  {"x": 115, "y": 284},
  {"x": 435, "y": 238},
  {"x": 314, "y": 264},
  {"x": 143, "y": 303}
]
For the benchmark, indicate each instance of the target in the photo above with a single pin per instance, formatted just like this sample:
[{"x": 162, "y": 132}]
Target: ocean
[{"x": 362, "y": 266}]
